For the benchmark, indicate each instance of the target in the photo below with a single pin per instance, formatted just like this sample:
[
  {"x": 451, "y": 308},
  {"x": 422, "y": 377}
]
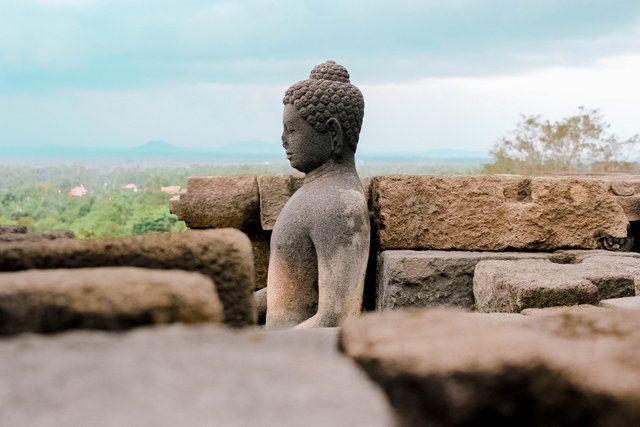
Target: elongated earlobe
[{"x": 337, "y": 139}]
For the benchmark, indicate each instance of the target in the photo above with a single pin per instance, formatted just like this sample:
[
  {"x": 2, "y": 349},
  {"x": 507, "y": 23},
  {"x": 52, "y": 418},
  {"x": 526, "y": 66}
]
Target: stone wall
[{"x": 429, "y": 232}]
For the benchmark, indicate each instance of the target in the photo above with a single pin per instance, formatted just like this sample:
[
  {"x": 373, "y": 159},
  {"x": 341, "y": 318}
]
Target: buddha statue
[{"x": 320, "y": 241}]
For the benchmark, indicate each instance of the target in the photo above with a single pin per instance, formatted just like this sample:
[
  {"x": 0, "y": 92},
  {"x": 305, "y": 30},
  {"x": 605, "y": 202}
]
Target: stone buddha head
[{"x": 322, "y": 118}]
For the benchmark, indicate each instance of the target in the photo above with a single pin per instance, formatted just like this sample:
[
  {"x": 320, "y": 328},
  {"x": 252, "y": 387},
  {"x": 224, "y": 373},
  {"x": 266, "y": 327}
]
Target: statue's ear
[{"x": 337, "y": 139}]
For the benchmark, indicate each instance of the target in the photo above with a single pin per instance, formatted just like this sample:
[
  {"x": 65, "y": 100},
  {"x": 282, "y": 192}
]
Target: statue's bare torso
[{"x": 320, "y": 239}]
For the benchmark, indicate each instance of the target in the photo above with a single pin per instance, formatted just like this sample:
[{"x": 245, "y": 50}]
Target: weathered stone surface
[
  {"x": 494, "y": 213},
  {"x": 112, "y": 298},
  {"x": 628, "y": 303},
  {"x": 260, "y": 244},
  {"x": 626, "y": 191},
  {"x": 12, "y": 229},
  {"x": 223, "y": 255},
  {"x": 554, "y": 311},
  {"x": 219, "y": 202},
  {"x": 275, "y": 190},
  {"x": 511, "y": 286},
  {"x": 186, "y": 376},
  {"x": 36, "y": 237},
  {"x": 414, "y": 279},
  {"x": 448, "y": 368}
]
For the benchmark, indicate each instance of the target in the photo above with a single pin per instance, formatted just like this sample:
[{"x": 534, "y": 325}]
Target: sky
[{"x": 453, "y": 74}]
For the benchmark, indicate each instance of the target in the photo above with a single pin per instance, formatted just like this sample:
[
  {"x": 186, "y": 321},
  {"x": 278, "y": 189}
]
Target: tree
[{"x": 575, "y": 143}]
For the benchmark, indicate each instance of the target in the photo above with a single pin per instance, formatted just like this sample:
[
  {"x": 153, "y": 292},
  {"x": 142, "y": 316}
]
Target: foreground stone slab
[
  {"x": 628, "y": 303},
  {"x": 494, "y": 213},
  {"x": 111, "y": 298},
  {"x": 449, "y": 368},
  {"x": 219, "y": 202},
  {"x": 223, "y": 255},
  {"x": 186, "y": 376},
  {"x": 415, "y": 279},
  {"x": 36, "y": 237},
  {"x": 511, "y": 286}
]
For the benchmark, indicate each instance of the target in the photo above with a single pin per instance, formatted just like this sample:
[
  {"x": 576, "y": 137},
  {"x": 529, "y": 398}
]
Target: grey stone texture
[
  {"x": 12, "y": 229},
  {"x": 186, "y": 376},
  {"x": 36, "y": 237},
  {"x": 320, "y": 242},
  {"x": 416, "y": 279},
  {"x": 111, "y": 298},
  {"x": 627, "y": 303},
  {"x": 511, "y": 286},
  {"x": 219, "y": 202},
  {"x": 494, "y": 213},
  {"x": 275, "y": 190},
  {"x": 260, "y": 244},
  {"x": 451, "y": 368},
  {"x": 224, "y": 255}
]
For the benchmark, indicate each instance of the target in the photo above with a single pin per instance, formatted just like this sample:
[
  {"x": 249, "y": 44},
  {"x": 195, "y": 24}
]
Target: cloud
[
  {"x": 129, "y": 44},
  {"x": 454, "y": 112}
]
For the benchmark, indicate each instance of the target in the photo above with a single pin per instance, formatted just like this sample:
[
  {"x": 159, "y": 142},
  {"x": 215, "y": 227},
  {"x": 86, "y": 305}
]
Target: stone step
[
  {"x": 628, "y": 303},
  {"x": 223, "y": 255},
  {"x": 111, "y": 298},
  {"x": 451, "y": 368},
  {"x": 415, "y": 279},
  {"x": 512, "y": 286},
  {"x": 186, "y": 376}
]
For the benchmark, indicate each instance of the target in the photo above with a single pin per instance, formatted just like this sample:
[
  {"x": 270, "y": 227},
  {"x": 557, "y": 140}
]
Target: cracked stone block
[
  {"x": 512, "y": 286},
  {"x": 494, "y": 213},
  {"x": 415, "y": 279}
]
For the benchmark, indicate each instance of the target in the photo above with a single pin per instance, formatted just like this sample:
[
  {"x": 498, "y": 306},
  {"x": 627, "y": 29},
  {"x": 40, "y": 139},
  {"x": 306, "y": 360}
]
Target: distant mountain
[
  {"x": 153, "y": 152},
  {"x": 156, "y": 147}
]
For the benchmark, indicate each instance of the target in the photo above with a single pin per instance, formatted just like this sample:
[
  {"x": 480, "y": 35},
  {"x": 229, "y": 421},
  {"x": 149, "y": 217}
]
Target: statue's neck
[{"x": 346, "y": 166}]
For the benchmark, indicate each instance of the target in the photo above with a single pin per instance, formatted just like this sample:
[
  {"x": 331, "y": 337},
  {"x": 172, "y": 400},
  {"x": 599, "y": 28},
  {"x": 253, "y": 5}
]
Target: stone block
[
  {"x": 275, "y": 190},
  {"x": 627, "y": 303},
  {"x": 451, "y": 368},
  {"x": 414, "y": 279},
  {"x": 626, "y": 191},
  {"x": 186, "y": 376},
  {"x": 223, "y": 255},
  {"x": 260, "y": 243},
  {"x": 511, "y": 286},
  {"x": 219, "y": 202},
  {"x": 494, "y": 213},
  {"x": 111, "y": 298}
]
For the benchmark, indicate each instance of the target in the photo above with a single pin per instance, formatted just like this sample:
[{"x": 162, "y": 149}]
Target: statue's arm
[{"x": 341, "y": 242}]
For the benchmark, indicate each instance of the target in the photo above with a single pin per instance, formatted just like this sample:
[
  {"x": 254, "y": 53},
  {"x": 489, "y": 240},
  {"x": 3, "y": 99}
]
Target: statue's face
[{"x": 306, "y": 148}]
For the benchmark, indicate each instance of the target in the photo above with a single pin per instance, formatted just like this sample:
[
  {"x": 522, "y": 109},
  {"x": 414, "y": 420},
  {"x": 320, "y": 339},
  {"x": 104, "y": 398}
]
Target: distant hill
[
  {"x": 157, "y": 147},
  {"x": 161, "y": 152}
]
